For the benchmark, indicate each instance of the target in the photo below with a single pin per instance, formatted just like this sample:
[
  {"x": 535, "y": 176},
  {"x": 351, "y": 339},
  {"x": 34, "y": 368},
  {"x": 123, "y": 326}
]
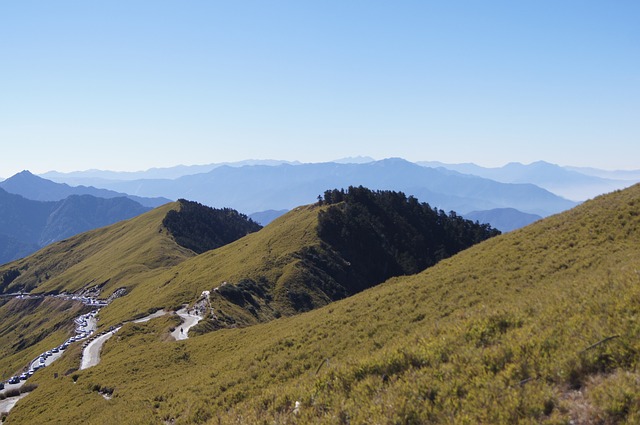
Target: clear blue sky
[{"x": 129, "y": 85}]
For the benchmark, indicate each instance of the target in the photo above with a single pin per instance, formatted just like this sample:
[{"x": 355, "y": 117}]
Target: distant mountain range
[
  {"x": 27, "y": 225},
  {"x": 256, "y": 188},
  {"x": 503, "y": 219},
  {"x": 39, "y": 189},
  {"x": 265, "y": 217},
  {"x": 507, "y": 197},
  {"x": 35, "y": 212},
  {"x": 629, "y": 175},
  {"x": 96, "y": 177},
  {"x": 573, "y": 183}
]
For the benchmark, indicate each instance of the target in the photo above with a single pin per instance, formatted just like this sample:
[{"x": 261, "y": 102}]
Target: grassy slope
[
  {"x": 140, "y": 255},
  {"x": 291, "y": 266},
  {"x": 269, "y": 253},
  {"x": 500, "y": 333}
]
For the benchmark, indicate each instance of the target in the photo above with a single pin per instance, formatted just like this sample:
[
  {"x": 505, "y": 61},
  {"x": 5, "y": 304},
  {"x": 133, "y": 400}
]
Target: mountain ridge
[
  {"x": 296, "y": 263},
  {"x": 503, "y": 219},
  {"x": 37, "y": 188},
  {"x": 155, "y": 172},
  {"x": 286, "y": 186},
  {"x": 573, "y": 183}
]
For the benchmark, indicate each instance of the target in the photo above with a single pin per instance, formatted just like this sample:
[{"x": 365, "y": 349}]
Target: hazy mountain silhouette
[
  {"x": 629, "y": 175},
  {"x": 27, "y": 225},
  {"x": 259, "y": 188},
  {"x": 97, "y": 177},
  {"x": 37, "y": 188},
  {"x": 354, "y": 160},
  {"x": 266, "y": 217},
  {"x": 571, "y": 183},
  {"x": 503, "y": 219},
  {"x": 13, "y": 249}
]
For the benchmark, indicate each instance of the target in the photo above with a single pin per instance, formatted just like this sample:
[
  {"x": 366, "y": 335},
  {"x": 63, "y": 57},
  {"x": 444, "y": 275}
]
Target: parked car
[
  {"x": 1, "y": 385},
  {"x": 14, "y": 380}
]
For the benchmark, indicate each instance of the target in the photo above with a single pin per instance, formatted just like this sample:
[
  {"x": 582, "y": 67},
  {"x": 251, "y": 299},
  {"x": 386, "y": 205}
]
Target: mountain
[
  {"x": 109, "y": 257},
  {"x": 36, "y": 188},
  {"x": 168, "y": 256},
  {"x": 259, "y": 188},
  {"x": 350, "y": 241},
  {"x": 572, "y": 183},
  {"x": 354, "y": 160},
  {"x": 103, "y": 262},
  {"x": 302, "y": 260},
  {"x": 503, "y": 219},
  {"x": 628, "y": 175},
  {"x": 26, "y": 225},
  {"x": 534, "y": 326},
  {"x": 12, "y": 248},
  {"x": 97, "y": 177}
]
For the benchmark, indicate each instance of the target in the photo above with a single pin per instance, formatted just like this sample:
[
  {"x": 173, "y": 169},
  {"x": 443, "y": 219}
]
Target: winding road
[
  {"x": 91, "y": 353},
  {"x": 87, "y": 324},
  {"x": 188, "y": 321}
]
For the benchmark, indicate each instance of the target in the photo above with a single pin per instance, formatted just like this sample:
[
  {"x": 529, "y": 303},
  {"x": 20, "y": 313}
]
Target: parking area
[{"x": 85, "y": 326}]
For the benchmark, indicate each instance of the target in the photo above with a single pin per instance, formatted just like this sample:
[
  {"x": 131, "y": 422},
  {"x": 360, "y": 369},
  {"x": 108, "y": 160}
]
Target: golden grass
[
  {"x": 265, "y": 254},
  {"x": 504, "y": 332}
]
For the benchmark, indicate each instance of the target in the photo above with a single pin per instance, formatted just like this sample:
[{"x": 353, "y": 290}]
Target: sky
[{"x": 130, "y": 85}]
